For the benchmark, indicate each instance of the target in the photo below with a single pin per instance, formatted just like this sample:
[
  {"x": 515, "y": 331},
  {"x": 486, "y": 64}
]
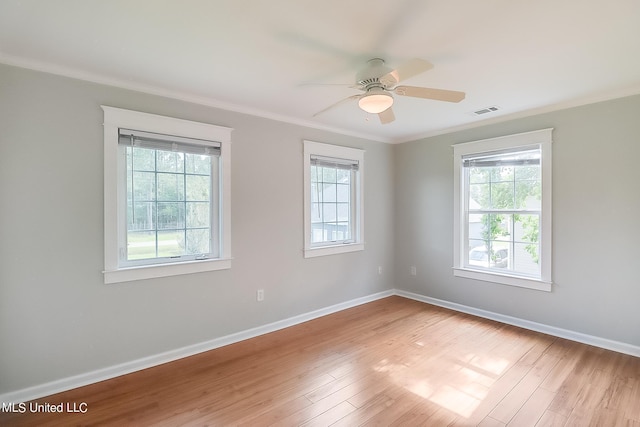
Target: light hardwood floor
[{"x": 390, "y": 362}]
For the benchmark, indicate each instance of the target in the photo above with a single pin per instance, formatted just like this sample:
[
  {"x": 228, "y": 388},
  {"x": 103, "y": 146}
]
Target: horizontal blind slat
[
  {"x": 332, "y": 162},
  {"x": 168, "y": 143},
  {"x": 523, "y": 157}
]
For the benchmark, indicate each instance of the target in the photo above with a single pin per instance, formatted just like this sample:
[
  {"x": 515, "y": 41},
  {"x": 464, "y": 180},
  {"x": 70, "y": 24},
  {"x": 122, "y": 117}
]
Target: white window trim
[
  {"x": 116, "y": 118},
  {"x": 543, "y": 138},
  {"x": 336, "y": 151}
]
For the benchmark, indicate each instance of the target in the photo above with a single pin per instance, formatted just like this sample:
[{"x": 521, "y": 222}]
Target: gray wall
[
  {"x": 58, "y": 319},
  {"x": 596, "y": 222}
]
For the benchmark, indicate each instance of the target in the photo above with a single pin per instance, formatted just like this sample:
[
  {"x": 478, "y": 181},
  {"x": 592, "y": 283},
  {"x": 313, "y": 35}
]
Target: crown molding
[
  {"x": 75, "y": 73},
  {"x": 79, "y": 74},
  {"x": 592, "y": 98}
]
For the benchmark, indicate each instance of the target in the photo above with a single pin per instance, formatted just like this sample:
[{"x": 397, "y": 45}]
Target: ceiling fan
[{"x": 378, "y": 82}]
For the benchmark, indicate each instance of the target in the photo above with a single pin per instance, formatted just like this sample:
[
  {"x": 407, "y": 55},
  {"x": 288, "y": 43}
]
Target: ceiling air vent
[{"x": 487, "y": 110}]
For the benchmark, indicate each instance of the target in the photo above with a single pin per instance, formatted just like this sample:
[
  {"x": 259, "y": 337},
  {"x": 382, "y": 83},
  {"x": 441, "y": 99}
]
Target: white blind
[
  {"x": 157, "y": 141},
  {"x": 332, "y": 162},
  {"x": 526, "y": 157}
]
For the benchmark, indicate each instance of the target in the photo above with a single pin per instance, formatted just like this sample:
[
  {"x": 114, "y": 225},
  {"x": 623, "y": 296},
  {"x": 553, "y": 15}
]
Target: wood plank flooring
[{"x": 392, "y": 362}]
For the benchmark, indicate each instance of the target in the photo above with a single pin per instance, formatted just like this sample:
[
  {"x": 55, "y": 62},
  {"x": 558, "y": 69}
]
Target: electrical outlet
[
  {"x": 379, "y": 269},
  {"x": 260, "y": 295},
  {"x": 413, "y": 270}
]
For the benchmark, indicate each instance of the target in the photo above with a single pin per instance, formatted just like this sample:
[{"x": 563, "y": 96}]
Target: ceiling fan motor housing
[{"x": 370, "y": 76}]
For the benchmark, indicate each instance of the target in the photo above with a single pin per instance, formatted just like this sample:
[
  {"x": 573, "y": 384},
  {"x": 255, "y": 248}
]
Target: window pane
[
  {"x": 476, "y": 226},
  {"x": 320, "y": 191},
  {"x": 488, "y": 225},
  {"x": 528, "y": 195},
  {"x": 141, "y": 245},
  {"x": 499, "y": 254},
  {"x": 474, "y": 243},
  {"x": 143, "y": 216},
  {"x": 170, "y": 187},
  {"x": 198, "y": 187},
  {"x": 501, "y": 226},
  {"x": 330, "y": 232},
  {"x": 315, "y": 192},
  {"x": 478, "y": 175},
  {"x": 527, "y": 173},
  {"x": 502, "y": 195},
  {"x": 329, "y": 211},
  {"x": 170, "y": 243},
  {"x": 168, "y": 161},
  {"x": 329, "y": 193},
  {"x": 526, "y": 228},
  {"x": 329, "y": 175},
  {"x": 343, "y": 212},
  {"x": 144, "y": 159},
  {"x": 479, "y": 196},
  {"x": 525, "y": 259},
  {"x": 501, "y": 174},
  {"x": 198, "y": 164},
  {"x": 343, "y": 175},
  {"x": 198, "y": 215},
  {"x": 316, "y": 212},
  {"x": 317, "y": 233},
  {"x": 479, "y": 256},
  {"x": 496, "y": 255},
  {"x": 343, "y": 231},
  {"x": 198, "y": 241},
  {"x": 316, "y": 174},
  {"x": 144, "y": 186},
  {"x": 343, "y": 193},
  {"x": 170, "y": 215}
]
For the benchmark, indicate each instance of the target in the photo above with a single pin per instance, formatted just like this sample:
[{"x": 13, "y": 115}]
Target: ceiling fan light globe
[{"x": 375, "y": 103}]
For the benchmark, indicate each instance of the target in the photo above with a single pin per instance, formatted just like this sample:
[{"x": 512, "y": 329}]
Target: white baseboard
[
  {"x": 87, "y": 378},
  {"x": 617, "y": 346}
]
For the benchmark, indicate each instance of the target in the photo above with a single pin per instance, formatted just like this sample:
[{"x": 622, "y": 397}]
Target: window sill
[
  {"x": 164, "y": 270},
  {"x": 332, "y": 250},
  {"x": 504, "y": 279}
]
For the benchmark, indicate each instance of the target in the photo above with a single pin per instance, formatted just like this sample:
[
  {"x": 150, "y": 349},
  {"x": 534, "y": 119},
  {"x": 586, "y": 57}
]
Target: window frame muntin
[
  {"x": 311, "y": 148},
  {"x": 353, "y": 211},
  {"x": 467, "y": 211},
  {"x": 214, "y": 214},
  {"x": 542, "y": 138},
  {"x": 114, "y": 221}
]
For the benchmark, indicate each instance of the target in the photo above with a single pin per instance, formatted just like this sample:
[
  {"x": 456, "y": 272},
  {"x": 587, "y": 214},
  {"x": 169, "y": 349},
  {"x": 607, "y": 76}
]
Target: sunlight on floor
[
  {"x": 460, "y": 388},
  {"x": 455, "y": 400},
  {"x": 493, "y": 365}
]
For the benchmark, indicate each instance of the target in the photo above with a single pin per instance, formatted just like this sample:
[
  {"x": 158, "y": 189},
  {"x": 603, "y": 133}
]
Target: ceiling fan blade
[
  {"x": 324, "y": 84},
  {"x": 406, "y": 70},
  {"x": 343, "y": 101},
  {"x": 387, "y": 116},
  {"x": 429, "y": 93}
]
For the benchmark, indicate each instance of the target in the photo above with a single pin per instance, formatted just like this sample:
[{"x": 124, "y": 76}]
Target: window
[
  {"x": 333, "y": 190},
  {"x": 503, "y": 210},
  {"x": 166, "y": 196},
  {"x": 171, "y": 199}
]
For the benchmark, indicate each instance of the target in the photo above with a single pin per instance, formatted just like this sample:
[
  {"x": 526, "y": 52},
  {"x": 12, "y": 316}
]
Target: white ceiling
[{"x": 255, "y": 56}]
